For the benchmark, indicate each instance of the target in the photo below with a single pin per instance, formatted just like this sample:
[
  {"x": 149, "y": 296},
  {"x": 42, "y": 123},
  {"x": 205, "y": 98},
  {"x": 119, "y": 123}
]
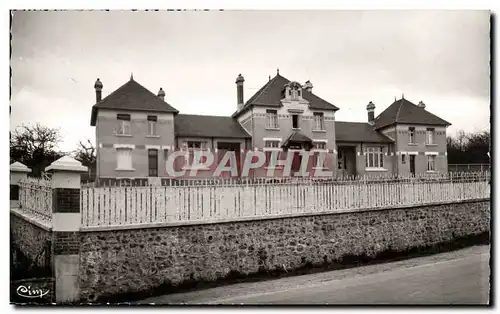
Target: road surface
[{"x": 458, "y": 277}]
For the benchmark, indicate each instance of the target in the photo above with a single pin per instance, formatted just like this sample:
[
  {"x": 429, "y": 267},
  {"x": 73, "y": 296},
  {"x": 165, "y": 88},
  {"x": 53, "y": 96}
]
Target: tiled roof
[
  {"x": 132, "y": 96},
  {"x": 358, "y": 132},
  {"x": 272, "y": 92},
  {"x": 404, "y": 111},
  {"x": 208, "y": 126}
]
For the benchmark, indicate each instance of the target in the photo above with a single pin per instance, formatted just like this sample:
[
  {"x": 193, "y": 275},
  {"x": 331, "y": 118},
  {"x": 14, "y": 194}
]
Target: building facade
[{"x": 136, "y": 131}]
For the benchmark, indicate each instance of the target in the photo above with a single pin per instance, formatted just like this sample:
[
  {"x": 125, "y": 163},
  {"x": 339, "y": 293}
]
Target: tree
[
  {"x": 469, "y": 148},
  {"x": 35, "y": 146},
  {"x": 86, "y": 154}
]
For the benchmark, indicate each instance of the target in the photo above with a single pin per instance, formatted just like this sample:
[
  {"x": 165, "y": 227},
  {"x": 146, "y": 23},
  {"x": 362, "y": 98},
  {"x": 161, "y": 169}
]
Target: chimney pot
[
  {"x": 161, "y": 94},
  {"x": 239, "y": 91},
  {"x": 371, "y": 112},
  {"x": 98, "y": 90},
  {"x": 308, "y": 86}
]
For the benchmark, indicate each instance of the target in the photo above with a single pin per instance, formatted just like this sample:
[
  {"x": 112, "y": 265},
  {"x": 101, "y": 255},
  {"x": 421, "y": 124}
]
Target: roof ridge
[
  {"x": 203, "y": 115},
  {"x": 350, "y": 122},
  {"x": 399, "y": 109}
]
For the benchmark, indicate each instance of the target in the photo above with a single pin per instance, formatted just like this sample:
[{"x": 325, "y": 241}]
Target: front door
[
  {"x": 297, "y": 160},
  {"x": 412, "y": 164}
]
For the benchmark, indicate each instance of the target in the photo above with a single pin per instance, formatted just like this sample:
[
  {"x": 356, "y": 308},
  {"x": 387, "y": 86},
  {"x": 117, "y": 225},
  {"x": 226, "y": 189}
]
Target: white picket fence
[
  {"x": 110, "y": 206},
  {"x": 35, "y": 197}
]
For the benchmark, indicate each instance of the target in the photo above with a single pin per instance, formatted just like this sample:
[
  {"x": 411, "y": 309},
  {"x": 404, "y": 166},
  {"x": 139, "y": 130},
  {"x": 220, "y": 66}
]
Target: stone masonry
[
  {"x": 124, "y": 261},
  {"x": 29, "y": 238}
]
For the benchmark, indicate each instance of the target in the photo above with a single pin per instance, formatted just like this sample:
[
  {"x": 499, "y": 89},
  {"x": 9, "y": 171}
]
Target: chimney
[
  {"x": 239, "y": 90},
  {"x": 308, "y": 86},
  {"x": 161, "y": 94},
  {"x": 421, "y": 105},
  {"x": 371, "y": 112},
  {"x": 98, "y": 90}
]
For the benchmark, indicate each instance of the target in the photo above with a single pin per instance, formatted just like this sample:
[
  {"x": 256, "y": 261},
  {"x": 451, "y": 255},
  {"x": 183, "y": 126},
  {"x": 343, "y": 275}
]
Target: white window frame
[
  {"x": 377, "y": 155},
  {"x": 315, "y": 148},
  {"x": 431, "y": 163},
  {"x": 152, "y": 128},
  {"x": 188, "y": 162},
  {"x": 272, "y": 119},
  {"x": 411, "y": 135},
  {"x": 126, "y": 165},
  {"x": 277, "y": 145},
  {"x": 124, "y": 127},
  {"x": 430, "y": 136},
  {"x": 319, "y": 118}
]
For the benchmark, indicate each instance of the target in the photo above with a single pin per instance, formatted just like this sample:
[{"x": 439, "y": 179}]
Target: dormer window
[{"x": 293, "y": 91}]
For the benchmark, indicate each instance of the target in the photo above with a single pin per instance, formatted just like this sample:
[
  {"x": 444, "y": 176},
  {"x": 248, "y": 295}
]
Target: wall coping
[
  {"x": 19, "y": 167},
  {"x": 32, "y": 219},
  {"x": 269, "y": 217},
  {"x": 66, "y": 163}
]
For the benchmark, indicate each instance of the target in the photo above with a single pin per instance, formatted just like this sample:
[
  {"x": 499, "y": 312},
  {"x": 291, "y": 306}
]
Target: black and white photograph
[{"x": 250, "y": 157}]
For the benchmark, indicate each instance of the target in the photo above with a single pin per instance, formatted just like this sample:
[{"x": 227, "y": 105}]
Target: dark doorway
[
  {"x": 296, "y": 162},
  {"x": 222, "y": 148},
  {"x": 346, "y": 161},
  {"x": 412, "y": 164}
]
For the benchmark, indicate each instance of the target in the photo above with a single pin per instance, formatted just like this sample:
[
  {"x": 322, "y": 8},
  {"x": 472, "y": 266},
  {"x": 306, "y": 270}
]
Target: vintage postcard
[{"x": 250, "y": 157}]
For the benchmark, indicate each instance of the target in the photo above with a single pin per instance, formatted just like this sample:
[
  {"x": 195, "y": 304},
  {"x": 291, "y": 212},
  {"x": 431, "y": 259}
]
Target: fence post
[
  {"x": 66, "y": 220},
  {"x": 18, "y": 172}
]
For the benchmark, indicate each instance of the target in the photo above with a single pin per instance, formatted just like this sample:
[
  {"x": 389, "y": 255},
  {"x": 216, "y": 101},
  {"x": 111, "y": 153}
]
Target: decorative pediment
[{"x": 293, "y": 91}]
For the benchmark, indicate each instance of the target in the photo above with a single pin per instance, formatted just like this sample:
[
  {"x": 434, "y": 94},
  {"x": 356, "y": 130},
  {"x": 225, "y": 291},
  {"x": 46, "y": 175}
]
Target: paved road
[{"x": 459, "y": 277}]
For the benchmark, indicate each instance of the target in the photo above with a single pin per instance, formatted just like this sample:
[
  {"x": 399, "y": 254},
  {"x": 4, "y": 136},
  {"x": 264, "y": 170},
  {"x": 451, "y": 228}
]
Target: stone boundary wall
[
  {"x": 135, "y": 260},
  {"x": 29, "y": 236}
]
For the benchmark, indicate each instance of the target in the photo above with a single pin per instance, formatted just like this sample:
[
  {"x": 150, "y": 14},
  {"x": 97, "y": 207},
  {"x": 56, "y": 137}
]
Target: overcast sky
[{"x": 351, "y": 57}]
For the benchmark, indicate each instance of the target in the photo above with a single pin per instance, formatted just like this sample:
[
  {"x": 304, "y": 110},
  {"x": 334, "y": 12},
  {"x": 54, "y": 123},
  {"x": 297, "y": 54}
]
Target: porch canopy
[{"x": 297, "y": 140}]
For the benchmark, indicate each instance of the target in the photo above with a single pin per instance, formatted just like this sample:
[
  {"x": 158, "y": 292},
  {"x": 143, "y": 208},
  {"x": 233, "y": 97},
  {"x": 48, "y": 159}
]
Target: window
[
  {"x": 123, "y": 124},
  {"x": 272, "y": 119},
  {"x": 411, "y": 133},
  {"x": 192, "y": 146},
  {"x": 124, "y": 158},
  {"x": 374, "y": 157},
  {"x": 272, "y": 144},
  {"x": 430, "y": 136},
  {"x": 319, "y": 145},
  {"x": 153, "y": 162},
  {"x": 319, "y": 121},
  {"x": 295, "y": 121},
  {"x": 196, "y": 144},
  {"x": 403, "y": 159},
  {"x": 299, "y": 92},
  {"x": 431, "y": 163},
  {"x": 152, "y": 120}
]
